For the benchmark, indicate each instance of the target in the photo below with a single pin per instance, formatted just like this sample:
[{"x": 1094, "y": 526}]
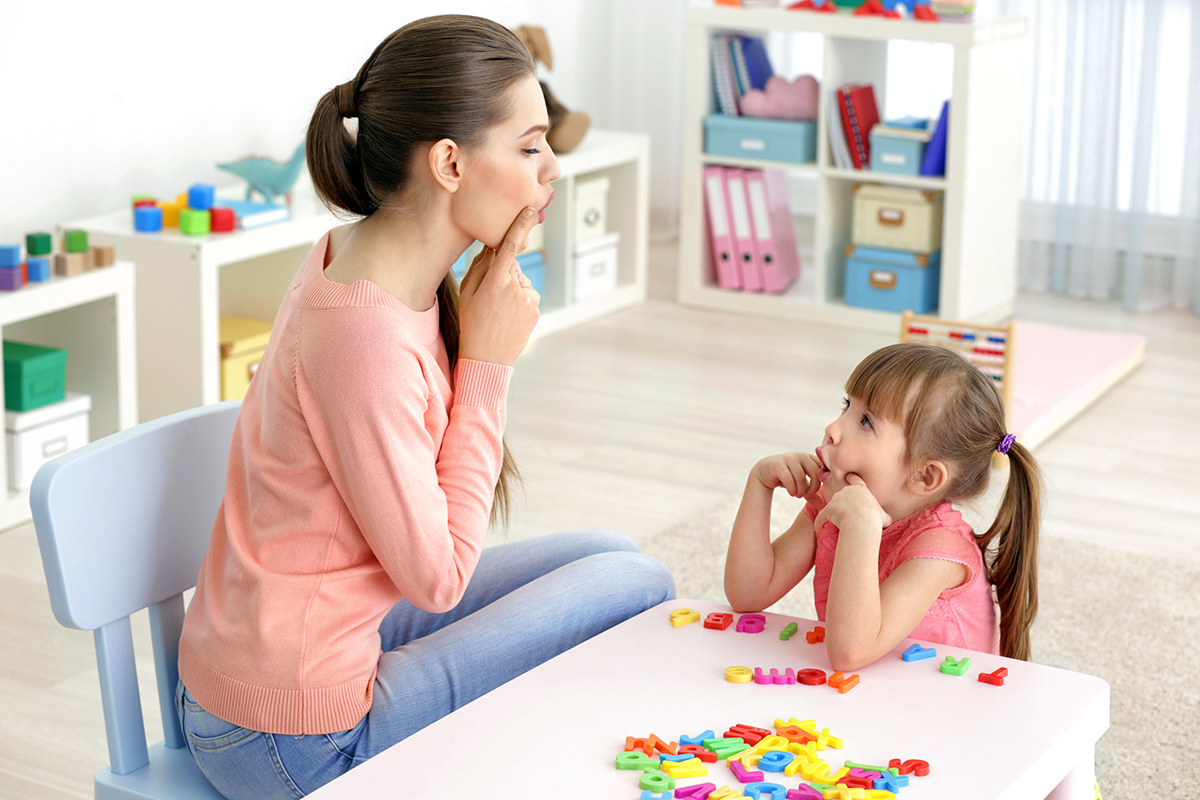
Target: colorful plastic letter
[
  {"x": 772, "y": 742},
  {"x": 788, "y": 631},
  {"x": 636, "y": 759},
  {"x": 718, "y": 621},
  {"x": 748, "y": 733},
  {"x": 692, "y": 768},
  {"x": 648, "y": 795},
  {"x": 759, "y": 789},
  {"x": 913, "y": 766},
  {"x": 751, "y": 623},
  {"x": 700, "y": 791},
  {"x": 726, "y": 747},
  {"x": 699, "y": 752},
  {"x": 805, "y": 792},
  {"x": 817, "y": 634},
  {"x": 656, "y": 781},
  {"x": 726, "y": 793},
  {"x": 697, "y": 739},
  {"x": 864, "y": 767},
  {"x": 744, "y": 775},
  {"x": 683, "y": 616},
  {"x": 890, "y": 783},
  {"x": 639, "y": 743},
  {"x": 775, "y": 761},
  {"x": 916, "y": 653},
  {"x": 810, "y": 677},
  {"x": 843, "y": 684},
  {"x": 661, "y": 746},
  {"x": 739, "y": 674},
  {"x": 952, "y": 667},
  {"x": 994, "y": 678}
]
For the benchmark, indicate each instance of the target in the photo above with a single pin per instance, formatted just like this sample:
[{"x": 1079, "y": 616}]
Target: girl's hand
[
  {"x": 796, "y": 473},
  {"x": 498, "y": 305},
  {"x": 853, "y": 507}
]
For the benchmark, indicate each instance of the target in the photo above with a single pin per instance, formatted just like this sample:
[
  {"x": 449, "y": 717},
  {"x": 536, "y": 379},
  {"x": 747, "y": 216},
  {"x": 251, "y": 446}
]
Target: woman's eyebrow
[{"x": 535, "y": 129}]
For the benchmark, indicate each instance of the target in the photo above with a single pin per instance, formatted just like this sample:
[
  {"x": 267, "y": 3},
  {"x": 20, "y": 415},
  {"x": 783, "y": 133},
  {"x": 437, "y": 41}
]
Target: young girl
[
  {"x": 346, "y": 601},
  {"x": 893, "y": 558}
]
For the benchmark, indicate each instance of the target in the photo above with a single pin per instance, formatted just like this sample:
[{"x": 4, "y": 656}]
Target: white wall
[{"x": 102, "y": 101}]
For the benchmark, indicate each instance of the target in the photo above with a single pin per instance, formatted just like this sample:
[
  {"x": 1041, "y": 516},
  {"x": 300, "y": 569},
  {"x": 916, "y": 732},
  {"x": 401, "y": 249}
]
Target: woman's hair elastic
[
  {"x": 343, "y": 95},
  {"x": 1005, "y": 443}
]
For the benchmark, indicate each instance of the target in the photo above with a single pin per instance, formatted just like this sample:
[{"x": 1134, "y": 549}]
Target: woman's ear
[
  {"x": 930, "y": 479},
  {"x": 444, "y": 158}
]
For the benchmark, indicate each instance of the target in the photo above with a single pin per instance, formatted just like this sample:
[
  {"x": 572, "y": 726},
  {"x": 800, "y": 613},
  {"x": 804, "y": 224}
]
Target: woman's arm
[{"x": 759, "y": 571}]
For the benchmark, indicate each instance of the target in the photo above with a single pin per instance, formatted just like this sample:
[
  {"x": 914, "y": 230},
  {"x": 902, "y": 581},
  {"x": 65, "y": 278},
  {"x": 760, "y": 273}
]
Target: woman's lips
[{"x": 542, "y": 210}]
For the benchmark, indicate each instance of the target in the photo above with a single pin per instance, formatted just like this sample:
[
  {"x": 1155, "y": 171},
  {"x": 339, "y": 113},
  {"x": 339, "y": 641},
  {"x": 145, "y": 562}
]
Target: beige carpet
[{"x": 1131, "y": 619}]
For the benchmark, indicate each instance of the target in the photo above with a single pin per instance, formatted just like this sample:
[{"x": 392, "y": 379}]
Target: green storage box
[{"x": 34, "y": 376}]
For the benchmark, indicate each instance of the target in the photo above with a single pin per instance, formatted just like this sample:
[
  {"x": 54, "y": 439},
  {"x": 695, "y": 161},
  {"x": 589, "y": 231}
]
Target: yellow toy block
[
  {"x": 841, "y": 773},
  {"x": 748, "y": 757},
  {"x": 879, "y": 794},
  {"x": 684, "y": 616},
  {"x": 726, "y": 793},
  {"x": 692, "y": 768},
  {"x": 808, "y": 724},
  {"x": 170, "y": 212},
  {"x": 772, "y": 743},
  {"x": 844, "y": 792},
  {"x": 739, "y": 674},
  {"x": 826, "y": 739}
]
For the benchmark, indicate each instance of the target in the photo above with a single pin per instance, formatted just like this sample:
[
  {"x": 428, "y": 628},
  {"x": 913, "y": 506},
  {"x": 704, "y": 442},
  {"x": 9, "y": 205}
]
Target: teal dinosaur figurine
[{"x": 267, "y": 176}]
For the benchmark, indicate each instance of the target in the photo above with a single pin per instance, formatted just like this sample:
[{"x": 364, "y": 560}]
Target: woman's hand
[
  {"x": 795, "y": 473},
  {"x": 854, "y": 507},
  {"x": 498, "y": 305}
]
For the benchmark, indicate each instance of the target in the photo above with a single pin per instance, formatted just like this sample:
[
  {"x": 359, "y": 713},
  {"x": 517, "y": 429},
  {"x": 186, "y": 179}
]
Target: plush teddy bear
[{"x": 567, "y": 128}]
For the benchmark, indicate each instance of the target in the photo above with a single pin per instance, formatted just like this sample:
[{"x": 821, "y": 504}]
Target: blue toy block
[
  {"x": 760, "y": 790},
  {"x": 147, "y": 219},
  {"x": 39, "y": 268},
  {"x": 10, "y": 255},
  {"x": 916, "y": 653},
  {"x": 201, "y": 196},
  {"x": 697, "y": 739}
]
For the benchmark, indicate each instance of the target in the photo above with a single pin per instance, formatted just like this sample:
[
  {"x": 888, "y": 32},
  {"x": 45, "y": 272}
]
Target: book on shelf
[
  {"x": 837, "y": 134},
  {"x": 740, "y": 63},
  {"x": 934, "y": 163},
  {"x": 724, "y": 82},
  {"x": 252, "y": 214},
  {"x": 720, "y": 229},
  {"x": 860, "y": 113}
]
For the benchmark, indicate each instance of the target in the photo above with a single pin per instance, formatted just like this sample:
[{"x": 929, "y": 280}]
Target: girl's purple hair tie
[{"x": 1005, "y": 443}]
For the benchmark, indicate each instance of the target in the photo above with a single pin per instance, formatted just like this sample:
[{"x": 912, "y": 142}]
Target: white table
[{"x": 556, "y": 731}]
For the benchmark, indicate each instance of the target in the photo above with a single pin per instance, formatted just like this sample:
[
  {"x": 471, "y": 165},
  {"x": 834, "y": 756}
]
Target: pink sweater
[{"x": 357, "y": 477}]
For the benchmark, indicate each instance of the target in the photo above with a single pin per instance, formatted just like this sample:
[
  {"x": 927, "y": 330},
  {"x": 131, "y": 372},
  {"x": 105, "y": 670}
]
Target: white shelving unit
[
  {"x": 92, "y": 317},
  {"x": 186, "y": 283},
  {"x": 979, "y": 239}
]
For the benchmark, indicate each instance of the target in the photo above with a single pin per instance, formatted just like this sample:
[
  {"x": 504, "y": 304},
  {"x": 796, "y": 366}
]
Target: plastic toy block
[
  {"x": 223, "y": 220},
  {"x": 748, "y": 733},
  {"x": 39, "y": 268},
  {"x": 674, "y": 757},
  {"x": 827, "y": 6},
  {"x": 649, "y": 795},
  {"x": 692, "y": 768},
  {"x": 699, "y": 752},
  {"x": 925, "y": 14},
  {"x": 890, "y": 783},
  {"x": 104, "y": 255},
  {"x": 683, "y": 616},
  {"x": 917, "y": 653},
  {"x": 913, "y": 766},
  {"x": 994, "y": 678},
  {"x": 68, "y": 263},
  {"x": 669, "y": 748},
  {"x": 700, "y": 791},
  {"x": 656, "y": 781},
  {"x": 718, "y": 621},
  {"x": 751, "y": 623},
  {"x": 826, "y": 739},
  {"x": 817, "y": 634},
  {"x": 193, "y": 222},
  {"x": 636, "y": 759},
  {"x": 38, "y": 244},
  {"x": 788, "y": 631},
  {"x": 788, "y": 678},
  {"x": 142, "y": 202},
  {"x": 952, "y": 667},
  {"x": 200, "y": 196},
  {"x": 805, "y": 792},
  {"x": 10, "y": 279},
  {"x": 725, "y": 748},
  {"x": 744, "y": 775},
  {"x": 776, "y": 761},
  {"x": 170, "y": 213},
  {"x": 10, "y": 256},
  {"x": 843, "y": 684},
  {"x": 147, "y": 219},
  {"x": 774, "y": 742},
  {"x": 698, "y": 739},
  {"x": 761, "y": 789},
  {"x": 641, "y": 743},
  {"x": 811, "y": 677},
  {"x": 75, "y": 241},
  {"x": 739, "y": 674}
]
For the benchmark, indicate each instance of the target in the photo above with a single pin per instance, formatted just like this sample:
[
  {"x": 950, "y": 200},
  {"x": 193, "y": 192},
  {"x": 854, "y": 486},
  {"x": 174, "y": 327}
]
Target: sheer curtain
[{"x": 1111, "y": 184}]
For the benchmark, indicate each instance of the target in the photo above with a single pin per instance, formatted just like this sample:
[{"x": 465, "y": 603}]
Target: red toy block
[
  {"x": 24, "y": 272},
  {"x": 994, "y": 678},
  {"x": 699, "y": 752},
  {"x": 851, "y": 782},
  {"x": 222, "y": 219},
  {"x": 747, "y": 733},
  {"x": 925, "y": 14},
  {"x": 817, "y": 634},
  {"x": 810, "y": 677},
  {"x": 718, "y": 621},
  {"x": 913, "y": 766}
]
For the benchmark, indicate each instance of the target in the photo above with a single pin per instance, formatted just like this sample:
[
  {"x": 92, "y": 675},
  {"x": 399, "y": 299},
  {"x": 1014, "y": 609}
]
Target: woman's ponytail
[
  {"x": 1013, "y": 566},
  {"x": 333, "y": 159}
]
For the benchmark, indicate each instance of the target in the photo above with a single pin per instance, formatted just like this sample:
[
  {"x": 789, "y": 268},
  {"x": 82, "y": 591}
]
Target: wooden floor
[{"x": 644, "y": 418}]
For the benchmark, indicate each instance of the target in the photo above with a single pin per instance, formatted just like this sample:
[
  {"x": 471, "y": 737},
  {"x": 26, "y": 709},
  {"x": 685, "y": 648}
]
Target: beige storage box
[
  {"x": 591, "y": 208},
  {"x": 595, "y": 267},
  {"x": 243, "y": 342},
  {"x": 37, "y": 436},
  {"x": 897, "y": 218}
]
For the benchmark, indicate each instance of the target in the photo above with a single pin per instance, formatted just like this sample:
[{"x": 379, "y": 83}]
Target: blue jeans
[{"x": 527, "y": 602}]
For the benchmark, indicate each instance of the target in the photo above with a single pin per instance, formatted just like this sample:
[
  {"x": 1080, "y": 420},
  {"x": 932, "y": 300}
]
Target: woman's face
[{"x": 512, "y": 170}]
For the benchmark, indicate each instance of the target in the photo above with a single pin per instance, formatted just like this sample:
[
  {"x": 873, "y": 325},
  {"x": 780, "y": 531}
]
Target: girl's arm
[{"x": 758, "y": 571}]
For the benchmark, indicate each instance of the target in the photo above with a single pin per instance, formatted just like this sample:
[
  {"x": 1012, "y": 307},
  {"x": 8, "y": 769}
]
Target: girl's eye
[
  {"x": 865, "y": 421},
  {"x": 531, "y": 151},
  {"x": 845, "y": 404}
]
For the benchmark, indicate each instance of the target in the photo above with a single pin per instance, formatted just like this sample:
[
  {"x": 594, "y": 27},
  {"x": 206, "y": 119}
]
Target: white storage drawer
[
  {"x": 37, "y": 436},
  {"x": 591, "y": 208},
  {"x": 897, "y": 218},
  {"x": 595, "y": 267}
]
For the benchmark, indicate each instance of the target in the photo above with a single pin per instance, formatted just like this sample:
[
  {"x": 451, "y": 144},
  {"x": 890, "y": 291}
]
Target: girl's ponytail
[
  {"x": 333, "y": 158},
  {"x": 1014, "y": 563}
]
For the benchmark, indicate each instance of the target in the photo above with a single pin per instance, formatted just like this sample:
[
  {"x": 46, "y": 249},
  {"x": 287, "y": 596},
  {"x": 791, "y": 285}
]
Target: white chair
[{"x": 123, "y": 524}]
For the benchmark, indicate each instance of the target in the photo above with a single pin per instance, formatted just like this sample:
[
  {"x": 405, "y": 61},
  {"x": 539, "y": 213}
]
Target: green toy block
[
  {"x": 34, "y": 376},
  {"x": 75, "y": 241},
  {"x": 193, "y": 222},
  {"x": 38, "y": 244},
  {"x": 956, "y": 667}
]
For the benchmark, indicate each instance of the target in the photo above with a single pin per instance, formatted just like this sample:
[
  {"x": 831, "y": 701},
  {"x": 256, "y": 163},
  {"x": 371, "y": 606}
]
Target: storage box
[
  {"x": 242, "y": 344},
  {"x": 892, "y": 280},
  {"x": 595, "y": 267},
  {"x": 34, "y": 376},
  {"x": 35, "y": 437},
  {"x": 897, "y": 218},
  {"x": 898, "y": 150},
  {"x": 767, "y": 139},
  {"x": 591, "y": 208}
]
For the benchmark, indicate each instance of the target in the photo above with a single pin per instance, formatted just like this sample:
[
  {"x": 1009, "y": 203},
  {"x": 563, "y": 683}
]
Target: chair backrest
[
  {"x": 123, "y": 524},
  {"x": 991, "y": 348}
]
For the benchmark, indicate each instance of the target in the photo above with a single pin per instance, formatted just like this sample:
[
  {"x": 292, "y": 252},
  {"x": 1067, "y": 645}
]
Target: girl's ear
[
  {"x": 929, "y": 479},
  {"x": 444, "y": 158}
]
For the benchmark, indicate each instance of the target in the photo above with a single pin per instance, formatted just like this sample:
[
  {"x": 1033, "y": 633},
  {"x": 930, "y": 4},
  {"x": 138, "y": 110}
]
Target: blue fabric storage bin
[
  {"x": 897, "y": 154},
  {"x": 766, "y": 139},
  {"x": 892, "y": 280},
  {"x": 533, "y": 264}
]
